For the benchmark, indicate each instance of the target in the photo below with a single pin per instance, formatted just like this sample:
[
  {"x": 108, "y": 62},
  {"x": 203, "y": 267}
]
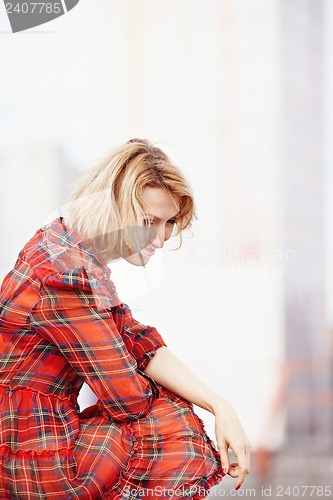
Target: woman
[{"x": 63, "y": 324}]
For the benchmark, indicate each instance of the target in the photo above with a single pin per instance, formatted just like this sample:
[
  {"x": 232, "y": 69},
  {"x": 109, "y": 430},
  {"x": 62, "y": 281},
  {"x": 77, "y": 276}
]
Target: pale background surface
[{"x": 238, "y": 93}]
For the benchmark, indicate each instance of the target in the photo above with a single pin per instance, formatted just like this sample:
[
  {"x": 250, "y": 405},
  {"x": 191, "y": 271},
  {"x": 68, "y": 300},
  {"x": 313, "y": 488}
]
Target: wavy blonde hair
[{"x": 109, "y": 198}]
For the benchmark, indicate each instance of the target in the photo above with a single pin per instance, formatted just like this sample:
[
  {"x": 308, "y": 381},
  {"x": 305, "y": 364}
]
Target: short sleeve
[
  {"x": 67, "y": 316},
  {"x": 141, "y": 340}
]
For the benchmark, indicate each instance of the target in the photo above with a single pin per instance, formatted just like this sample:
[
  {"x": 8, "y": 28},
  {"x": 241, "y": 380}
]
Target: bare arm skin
[{"x": 167, "y": 370}]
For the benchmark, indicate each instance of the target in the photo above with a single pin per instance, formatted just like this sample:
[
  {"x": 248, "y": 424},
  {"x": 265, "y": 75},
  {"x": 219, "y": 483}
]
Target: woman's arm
[
  {"x": 142, "y": 341},
  {"x": 66, "y": 315},
  {"x": 167, "y": 370}
]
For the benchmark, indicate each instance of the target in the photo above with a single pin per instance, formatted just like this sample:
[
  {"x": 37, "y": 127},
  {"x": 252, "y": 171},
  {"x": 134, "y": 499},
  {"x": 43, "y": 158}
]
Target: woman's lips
[{"x": 147, "y": 252}]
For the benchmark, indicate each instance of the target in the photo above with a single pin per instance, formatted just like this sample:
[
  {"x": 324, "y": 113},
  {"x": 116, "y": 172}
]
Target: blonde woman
[{"x": 63, "y": 324}]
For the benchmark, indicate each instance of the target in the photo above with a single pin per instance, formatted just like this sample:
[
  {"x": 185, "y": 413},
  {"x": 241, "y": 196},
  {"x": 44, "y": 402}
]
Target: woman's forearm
[{"x": 167, "y": 370}]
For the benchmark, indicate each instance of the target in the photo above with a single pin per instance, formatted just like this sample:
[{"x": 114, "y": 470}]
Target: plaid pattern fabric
[
  {"x": 172, "y": 455},
  {"x": 62, "y": 324}
]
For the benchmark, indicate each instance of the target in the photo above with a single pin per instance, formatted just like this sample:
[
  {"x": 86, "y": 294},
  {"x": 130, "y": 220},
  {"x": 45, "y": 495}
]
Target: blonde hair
[{"x": 109, "y": 198}]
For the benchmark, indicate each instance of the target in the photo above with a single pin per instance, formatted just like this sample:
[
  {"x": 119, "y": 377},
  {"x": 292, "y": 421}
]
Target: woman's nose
[{"x": 158, "y": 242}]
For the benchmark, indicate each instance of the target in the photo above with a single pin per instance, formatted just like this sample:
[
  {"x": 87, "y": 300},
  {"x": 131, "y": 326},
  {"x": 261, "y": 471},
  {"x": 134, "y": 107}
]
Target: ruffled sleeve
[{"x": 141, "y": 340}]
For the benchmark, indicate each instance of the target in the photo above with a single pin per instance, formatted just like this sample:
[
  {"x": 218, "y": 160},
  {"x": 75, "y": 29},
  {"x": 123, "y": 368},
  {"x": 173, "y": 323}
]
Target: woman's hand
[{"x": 230, "y": 434}]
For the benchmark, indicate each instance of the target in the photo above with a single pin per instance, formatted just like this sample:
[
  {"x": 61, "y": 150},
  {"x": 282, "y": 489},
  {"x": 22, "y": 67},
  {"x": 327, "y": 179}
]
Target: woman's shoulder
[
  {"x": 56, "y": 250},
  {"x": 53, "y": 265},
  {"x": 59, "y": 258}
]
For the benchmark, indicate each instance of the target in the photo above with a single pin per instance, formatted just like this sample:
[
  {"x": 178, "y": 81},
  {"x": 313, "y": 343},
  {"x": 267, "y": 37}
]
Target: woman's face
[{"x": 160, "y": 211}]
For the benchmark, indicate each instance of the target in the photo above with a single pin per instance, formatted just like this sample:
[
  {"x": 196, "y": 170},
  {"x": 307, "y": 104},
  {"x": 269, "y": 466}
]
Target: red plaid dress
[{"x": 62, "y": 324}]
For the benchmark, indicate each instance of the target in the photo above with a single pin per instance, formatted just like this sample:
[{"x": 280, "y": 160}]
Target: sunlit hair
[{"x": 109, "y": 197}]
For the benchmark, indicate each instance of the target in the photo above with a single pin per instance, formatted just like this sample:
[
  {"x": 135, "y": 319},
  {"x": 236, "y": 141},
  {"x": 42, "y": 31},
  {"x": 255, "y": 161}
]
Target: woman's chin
[{"x": 138, "y": 259}]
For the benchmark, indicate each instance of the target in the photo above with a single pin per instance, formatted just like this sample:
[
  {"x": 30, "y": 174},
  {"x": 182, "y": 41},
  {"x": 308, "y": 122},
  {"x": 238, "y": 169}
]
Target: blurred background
[{"x": 238, "y": 93}]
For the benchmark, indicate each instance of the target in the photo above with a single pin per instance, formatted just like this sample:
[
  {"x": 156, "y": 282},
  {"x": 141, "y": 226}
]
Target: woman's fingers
[
  {"x": 233, "y": 470},
  {"x": 243, "y": 466},
  {"x": 236, "y": 472},
  {"x": 223, "y": 451}
]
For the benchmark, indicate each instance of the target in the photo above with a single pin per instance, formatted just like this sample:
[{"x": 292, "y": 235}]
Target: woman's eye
[{"x": 171, "y": 221}]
